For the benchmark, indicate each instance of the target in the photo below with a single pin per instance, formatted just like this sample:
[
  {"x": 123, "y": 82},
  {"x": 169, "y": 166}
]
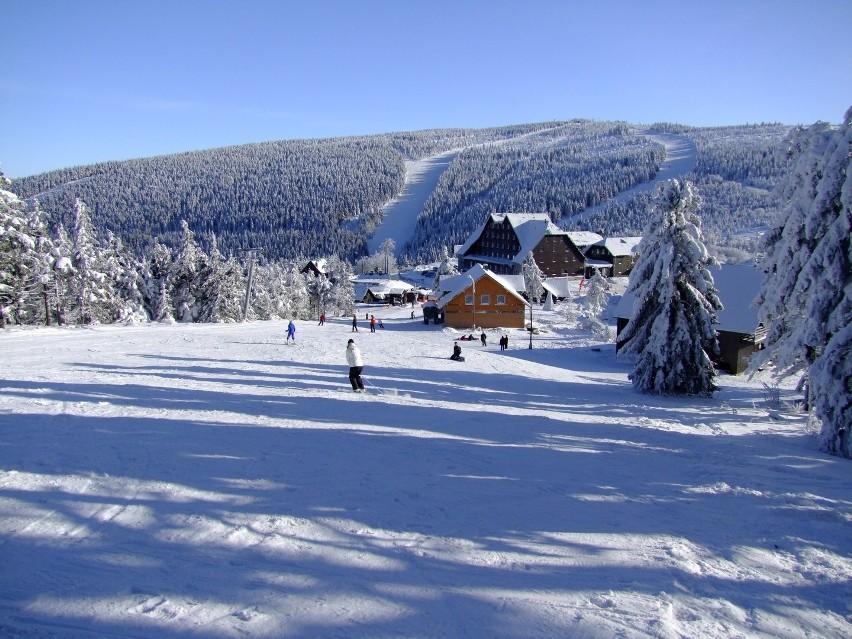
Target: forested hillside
[
  {"x": 325, "y": 197},
  {"x": 736, "y": 172},
  {"x": 290, "y": 198}
]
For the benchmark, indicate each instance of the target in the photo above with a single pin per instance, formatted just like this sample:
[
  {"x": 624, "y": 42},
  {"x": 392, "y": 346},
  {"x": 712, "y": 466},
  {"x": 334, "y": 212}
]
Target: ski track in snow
[
  {"x": 421, "y": 178},
  {"x": 209, "y": 480}
]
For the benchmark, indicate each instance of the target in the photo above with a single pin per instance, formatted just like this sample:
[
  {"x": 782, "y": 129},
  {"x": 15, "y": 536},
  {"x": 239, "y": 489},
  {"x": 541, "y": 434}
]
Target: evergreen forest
[{"x": 307, "y": 198}]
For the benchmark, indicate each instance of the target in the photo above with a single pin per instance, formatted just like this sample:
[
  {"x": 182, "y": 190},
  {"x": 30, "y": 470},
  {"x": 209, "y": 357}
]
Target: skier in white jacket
[{"x": 356, "y": 365}]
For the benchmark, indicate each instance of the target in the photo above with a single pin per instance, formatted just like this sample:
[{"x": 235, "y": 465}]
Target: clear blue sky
[{"x": 84, "y": 81}]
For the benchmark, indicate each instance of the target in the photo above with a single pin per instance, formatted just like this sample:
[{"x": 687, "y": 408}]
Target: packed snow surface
[{"x": 211, "y": 481}]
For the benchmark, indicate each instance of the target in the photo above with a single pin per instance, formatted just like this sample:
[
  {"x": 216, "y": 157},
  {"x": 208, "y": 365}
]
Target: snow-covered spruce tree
[
  {"x": 188, "y": 260},
  {"x": 17, "y": 254},
  {"x": 806, "y": 299},
  {"x": 63, "y": 276},
  {"x": 533, "y": 279},
  {"x": 341, "y": 298},
  {"x": 157, "y": 284},
  {"x": 90, "y": 284},
  {"x": 127, "y": 304},
  {"x": 594, "y": 304},
  {"x": 570, "y": 307},
  {"x": 221, "y": 288},
  {"x": 671, "y": 331},
  {"x": 298, "y": 298},
  {"x": 42, "y": 274},
  {"x": 597, "y": 296}
]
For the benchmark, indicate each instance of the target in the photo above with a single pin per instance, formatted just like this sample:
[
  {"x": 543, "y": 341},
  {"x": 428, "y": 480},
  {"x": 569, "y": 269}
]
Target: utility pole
[
  {"x": 473, "y": 314},
  {"x": 252, "y": 253},
  {"x": 531, "y": 322}
]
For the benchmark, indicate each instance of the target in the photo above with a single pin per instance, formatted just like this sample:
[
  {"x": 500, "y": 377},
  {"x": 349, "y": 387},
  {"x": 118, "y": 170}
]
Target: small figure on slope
[
  {"x": 457, "y": 353},
  {"x": 356, "y": 365},
  {"x": 291, "y": 333}
]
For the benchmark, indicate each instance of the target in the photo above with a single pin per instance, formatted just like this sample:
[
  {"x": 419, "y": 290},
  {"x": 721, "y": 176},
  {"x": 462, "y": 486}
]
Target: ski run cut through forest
[{"x": 209, "y": 480}]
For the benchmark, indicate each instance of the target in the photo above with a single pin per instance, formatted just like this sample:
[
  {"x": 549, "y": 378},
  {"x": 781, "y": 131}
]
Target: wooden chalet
[
  {"x": 318, "y": 268},
  {"x": 739, "y": 331},
  {"x": 381, "y": 291},
  {"x": 612, "y": 256},
  {"x": 504, "y": 241},
  {"x": 482, "y": 299}
]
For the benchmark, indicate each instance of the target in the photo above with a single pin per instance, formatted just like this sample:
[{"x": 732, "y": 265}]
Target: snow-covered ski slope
[
  {"x": 421, "y": 178},
  {"x": 400, "y": 214},
  {"x": 681, "y": 156},
  {"x": 207, "y": 481}
]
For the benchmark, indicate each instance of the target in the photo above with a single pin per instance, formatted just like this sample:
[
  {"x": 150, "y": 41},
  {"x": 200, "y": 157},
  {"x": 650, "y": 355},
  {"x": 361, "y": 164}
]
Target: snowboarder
[
  {"x": 356, "y": 365},
  {"x": 372, "y": 323},
  {"x": 483, "y": 338},
  {"x": 322, "y": 319},
  {"x": 457, "y": 353},
  {"x": 354, "y": 323},
  {"x": 291, "y": 332}
]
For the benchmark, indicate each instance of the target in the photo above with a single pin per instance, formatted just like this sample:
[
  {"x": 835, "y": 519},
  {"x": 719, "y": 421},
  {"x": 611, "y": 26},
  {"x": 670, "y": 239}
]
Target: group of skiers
[
  {"x": 356, "y": 361},
  {"x": 457, "y": 356},
  {"x": 353, "y": 353}
]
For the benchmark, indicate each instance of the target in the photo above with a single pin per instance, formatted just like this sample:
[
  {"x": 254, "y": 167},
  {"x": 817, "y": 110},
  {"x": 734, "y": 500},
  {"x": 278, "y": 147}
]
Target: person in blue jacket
[{"x": 291, "y": 333}]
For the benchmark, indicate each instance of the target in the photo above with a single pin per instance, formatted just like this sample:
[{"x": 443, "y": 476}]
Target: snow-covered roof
[
  {"x": 390, "y": 287},
  {"x": 558, "y": 286},
  {"x": 737, "y": 285},
  {"x": 460, "y": 283},
  {"x": 528, "y": 227},
  {"x": 619, "y": 246},
  {"x": 516, "y": 282},
  {"x": 582, "y": 239},
  {"x": 473, "y": 237},
  {"x": 320, "y": 265}
]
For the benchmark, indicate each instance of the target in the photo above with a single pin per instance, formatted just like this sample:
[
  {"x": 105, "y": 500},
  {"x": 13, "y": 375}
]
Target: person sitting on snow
[{"x": 457, "y": 353}]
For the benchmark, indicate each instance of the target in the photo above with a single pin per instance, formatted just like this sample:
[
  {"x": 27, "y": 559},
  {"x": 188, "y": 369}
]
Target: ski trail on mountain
[
  {"x": 400, "y": 214},
  {"x": 681, "y": 156},
  {"x": 399, "y": 219}
]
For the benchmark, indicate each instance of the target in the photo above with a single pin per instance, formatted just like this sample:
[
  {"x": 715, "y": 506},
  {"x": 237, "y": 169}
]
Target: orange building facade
[{"x": 492, "y": 306}]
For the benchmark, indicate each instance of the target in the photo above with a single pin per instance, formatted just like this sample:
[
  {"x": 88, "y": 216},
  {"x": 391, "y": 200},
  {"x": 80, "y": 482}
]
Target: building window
[
  {"x": 484, "y": 299},
  {"x": 468, "y": 300},
  {"x": 501, "y": 300}
]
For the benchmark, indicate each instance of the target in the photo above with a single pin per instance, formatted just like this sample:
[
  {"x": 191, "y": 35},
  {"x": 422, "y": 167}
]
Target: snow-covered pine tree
[
  {"x": 127, "y": 304},
  {"x": 17, "y": 255},
  {"x": 298, "y": 298},
  {"x": 446, "y": 267},
  {"x": 533, "y": 278},
  {"x": 232, "y": 291},
  {"x": 63, "y": 276},
  {"x": 42, "y": 272},
  {"x": 268, "y": 295},
  {"x": 221, "y": 288},
  {"x": 597, "y": 296},
  {"x": 341, "y": 298},
  {"x": 570, "y": 307},
  {"x": 809, "y": 254},
  {"x": 157, "y": 284},
  {"x": 188, "y": 260},
  {"x": 90, "y": 284},
  {"x": 594, "y": 304},
  {"x": 671, "y": 330}
]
